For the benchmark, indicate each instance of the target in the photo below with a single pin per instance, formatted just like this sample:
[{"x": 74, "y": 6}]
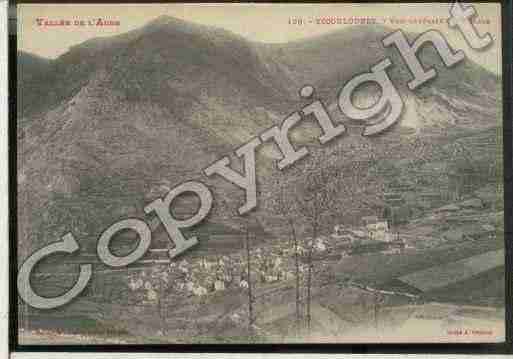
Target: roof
[{"x": 370, "y": 219}]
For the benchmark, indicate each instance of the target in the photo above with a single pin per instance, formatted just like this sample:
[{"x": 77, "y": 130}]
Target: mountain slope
[
  {"x": 329, "y": 61},
  {"x": 115, "y": 122}
]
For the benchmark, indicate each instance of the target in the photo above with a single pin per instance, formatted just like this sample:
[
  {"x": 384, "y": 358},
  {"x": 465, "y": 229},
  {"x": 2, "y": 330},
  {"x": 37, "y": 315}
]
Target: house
[
  {"x": 338, "y": 229},
  {"x": 345, "y": 237},
  {"x": 343, "y": 234},
  {"x": 379, "y": 231},
  {"x": 219, "y": 285},
  {"x": 319, "y": 245},
  {"x": 378, "y": 226}
]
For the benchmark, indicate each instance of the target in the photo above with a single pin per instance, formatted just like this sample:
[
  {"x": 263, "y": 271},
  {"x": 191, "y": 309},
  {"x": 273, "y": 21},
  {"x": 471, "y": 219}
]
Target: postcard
[{"x": 259, "y": 173}]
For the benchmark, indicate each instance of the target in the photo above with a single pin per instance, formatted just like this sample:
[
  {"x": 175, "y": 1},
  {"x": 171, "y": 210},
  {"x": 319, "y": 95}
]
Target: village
[
  {"x": 426, "y": 243},
  {"x": 469, "y": 219},
  {"x": 269, "y": 264}
]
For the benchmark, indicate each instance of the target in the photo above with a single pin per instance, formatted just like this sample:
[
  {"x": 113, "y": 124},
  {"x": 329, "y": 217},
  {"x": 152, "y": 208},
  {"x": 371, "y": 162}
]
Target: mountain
[
  {"x": 31, "y": 65},
  {"x": 329, "y": 61},
  {"x": 128, "y": 116},
  {"x": 115, "y": 122},
  {"x": 32, "y": 70}
]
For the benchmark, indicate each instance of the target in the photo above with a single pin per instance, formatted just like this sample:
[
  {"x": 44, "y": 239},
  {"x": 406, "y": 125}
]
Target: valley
[{"x": 115, "y": 123}]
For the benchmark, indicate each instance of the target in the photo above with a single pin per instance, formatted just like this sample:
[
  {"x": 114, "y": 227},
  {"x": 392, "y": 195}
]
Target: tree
[
  {"x": 318, "y": 194},
  {"x": 322, "y": 189},
  {"x": 250, "y": 284},
  {"x": 285, "y": 209}
]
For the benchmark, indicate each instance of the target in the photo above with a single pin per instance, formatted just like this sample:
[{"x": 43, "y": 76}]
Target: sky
[{"x": 257, "y": 22}]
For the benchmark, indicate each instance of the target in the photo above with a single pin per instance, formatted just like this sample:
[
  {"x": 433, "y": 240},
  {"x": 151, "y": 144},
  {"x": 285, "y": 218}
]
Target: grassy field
[{"x": 378, "y": 268}]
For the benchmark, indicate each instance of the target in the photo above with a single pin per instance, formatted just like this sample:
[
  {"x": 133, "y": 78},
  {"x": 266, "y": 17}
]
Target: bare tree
[
  {"x": 162, "y": 309},
  {"x": 285, "y": 209},
  {"x": 319, "y": 194},
  {"x": 296, "y": 262},
  {"x": 320, "y": 189},
  {"x": 250, "y": 284}
]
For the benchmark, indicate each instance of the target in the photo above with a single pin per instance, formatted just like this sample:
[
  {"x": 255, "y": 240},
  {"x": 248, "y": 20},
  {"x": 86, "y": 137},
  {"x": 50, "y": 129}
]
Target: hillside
[{"x": 114, "y": 122}]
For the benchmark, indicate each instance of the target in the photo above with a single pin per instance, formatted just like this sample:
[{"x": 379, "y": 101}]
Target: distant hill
[
  {"x": 31, "y": 65},
  {"x": 32, "y": 71}
]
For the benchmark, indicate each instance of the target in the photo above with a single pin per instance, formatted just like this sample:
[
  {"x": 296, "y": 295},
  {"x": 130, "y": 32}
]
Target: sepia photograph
[{"x": 259, "y": 174}]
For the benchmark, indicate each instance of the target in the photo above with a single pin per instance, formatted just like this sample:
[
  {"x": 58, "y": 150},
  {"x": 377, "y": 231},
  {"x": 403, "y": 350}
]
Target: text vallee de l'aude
[{"x": 389, "y": 106}]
